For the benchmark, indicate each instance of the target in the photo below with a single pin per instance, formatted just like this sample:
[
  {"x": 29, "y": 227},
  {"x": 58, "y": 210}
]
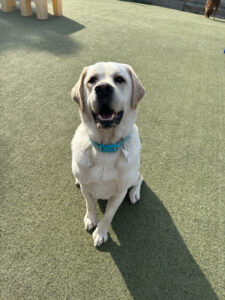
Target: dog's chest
[
  {"x": 105, "y": 166},
  {"x": 103, "y": 176},
  {"x": 110, "y": 173}
]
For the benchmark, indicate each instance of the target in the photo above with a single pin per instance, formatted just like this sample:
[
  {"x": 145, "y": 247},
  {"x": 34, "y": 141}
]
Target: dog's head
[{"x": 107, "y": 93}]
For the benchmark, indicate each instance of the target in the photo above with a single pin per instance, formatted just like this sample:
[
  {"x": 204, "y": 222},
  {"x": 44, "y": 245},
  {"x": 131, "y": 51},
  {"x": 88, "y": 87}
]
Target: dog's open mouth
[{"x": 107, "y": 117}]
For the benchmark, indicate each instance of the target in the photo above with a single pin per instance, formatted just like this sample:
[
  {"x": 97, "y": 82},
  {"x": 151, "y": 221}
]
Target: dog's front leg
[
  {"x": 100, "y": 235},
  {"x": 90, "y": 218}
]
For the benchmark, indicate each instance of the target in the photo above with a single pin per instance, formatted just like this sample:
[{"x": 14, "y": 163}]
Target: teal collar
[{"x": 110, "y": 148}]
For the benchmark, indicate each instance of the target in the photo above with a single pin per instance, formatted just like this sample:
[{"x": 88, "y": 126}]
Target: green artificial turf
[{"x": 169, "y": 245}]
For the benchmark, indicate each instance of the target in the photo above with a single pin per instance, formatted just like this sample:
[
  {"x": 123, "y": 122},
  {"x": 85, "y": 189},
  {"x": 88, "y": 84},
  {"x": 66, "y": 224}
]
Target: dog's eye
[
  {"x": 119, "y": 79},
  {"x": 92, "y": 80}
]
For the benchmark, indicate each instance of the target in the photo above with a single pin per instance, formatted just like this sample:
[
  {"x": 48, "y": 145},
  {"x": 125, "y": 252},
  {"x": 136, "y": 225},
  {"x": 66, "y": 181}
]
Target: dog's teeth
[{"x": 106, "y": 118}]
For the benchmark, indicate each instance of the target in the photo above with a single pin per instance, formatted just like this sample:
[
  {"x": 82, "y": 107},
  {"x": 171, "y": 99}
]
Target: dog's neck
[{"x": 107, "y": 136}]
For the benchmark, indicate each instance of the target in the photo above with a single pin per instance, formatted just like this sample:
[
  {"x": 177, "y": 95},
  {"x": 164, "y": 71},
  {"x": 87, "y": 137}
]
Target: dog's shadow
[{"x": 152, "y": 256}]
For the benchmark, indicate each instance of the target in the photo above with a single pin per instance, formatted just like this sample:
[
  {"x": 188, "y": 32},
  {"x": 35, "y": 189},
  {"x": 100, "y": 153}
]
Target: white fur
[{"x": 107, "y": 175}]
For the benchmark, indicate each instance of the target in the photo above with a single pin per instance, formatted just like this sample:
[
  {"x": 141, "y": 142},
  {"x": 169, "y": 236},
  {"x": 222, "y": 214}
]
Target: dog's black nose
[{"x": 104, "y": 91}]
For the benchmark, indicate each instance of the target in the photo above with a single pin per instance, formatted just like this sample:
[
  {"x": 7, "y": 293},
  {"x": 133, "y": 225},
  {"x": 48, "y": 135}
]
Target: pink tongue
[{"x": 106, "y": 117}]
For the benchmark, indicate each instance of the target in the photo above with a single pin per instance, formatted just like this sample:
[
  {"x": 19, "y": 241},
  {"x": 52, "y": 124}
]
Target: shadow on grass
[
  {"x": 152, "y": 256},
  {"x": 28, "y": 32},
  {"x": 219, "y": 20}
]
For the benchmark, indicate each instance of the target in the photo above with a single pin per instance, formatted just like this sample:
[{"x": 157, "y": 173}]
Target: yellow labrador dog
[{"x": 106, "y": 145}]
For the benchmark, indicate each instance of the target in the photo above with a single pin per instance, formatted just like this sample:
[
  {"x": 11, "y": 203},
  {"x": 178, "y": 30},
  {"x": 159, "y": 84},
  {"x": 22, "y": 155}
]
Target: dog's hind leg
[
  {"x": 215, "y": 10},
  {"x": 134, "y": 192}
]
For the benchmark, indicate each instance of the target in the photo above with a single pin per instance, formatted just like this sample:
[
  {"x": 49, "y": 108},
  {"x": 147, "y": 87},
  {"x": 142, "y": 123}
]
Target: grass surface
[{"x": 169, "y": 245}]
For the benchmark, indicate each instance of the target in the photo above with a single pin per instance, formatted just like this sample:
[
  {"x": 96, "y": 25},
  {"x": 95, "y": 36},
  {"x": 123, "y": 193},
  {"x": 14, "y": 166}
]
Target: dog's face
[{"x": 106, "y": 92}]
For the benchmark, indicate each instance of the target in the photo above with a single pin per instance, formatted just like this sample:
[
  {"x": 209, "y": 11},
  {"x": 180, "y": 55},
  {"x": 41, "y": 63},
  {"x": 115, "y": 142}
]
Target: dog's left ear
[
  {"x": 77, "y": 92},
  {"x": 138, "y": 90}
]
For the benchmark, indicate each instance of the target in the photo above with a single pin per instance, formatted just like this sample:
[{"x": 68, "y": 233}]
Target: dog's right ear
[{"x": 77, "y": 92}]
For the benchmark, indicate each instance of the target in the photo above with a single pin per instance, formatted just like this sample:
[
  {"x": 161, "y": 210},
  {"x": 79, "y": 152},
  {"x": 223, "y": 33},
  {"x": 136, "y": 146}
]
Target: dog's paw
[
  {"x": 134, "y": 194},
  {"x": 99, "y": 237},
  {"x": 89, "y": 223}
]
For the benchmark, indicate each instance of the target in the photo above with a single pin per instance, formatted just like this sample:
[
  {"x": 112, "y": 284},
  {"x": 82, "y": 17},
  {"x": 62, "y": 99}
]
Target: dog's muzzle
[{"x": 105, "y": 116}]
